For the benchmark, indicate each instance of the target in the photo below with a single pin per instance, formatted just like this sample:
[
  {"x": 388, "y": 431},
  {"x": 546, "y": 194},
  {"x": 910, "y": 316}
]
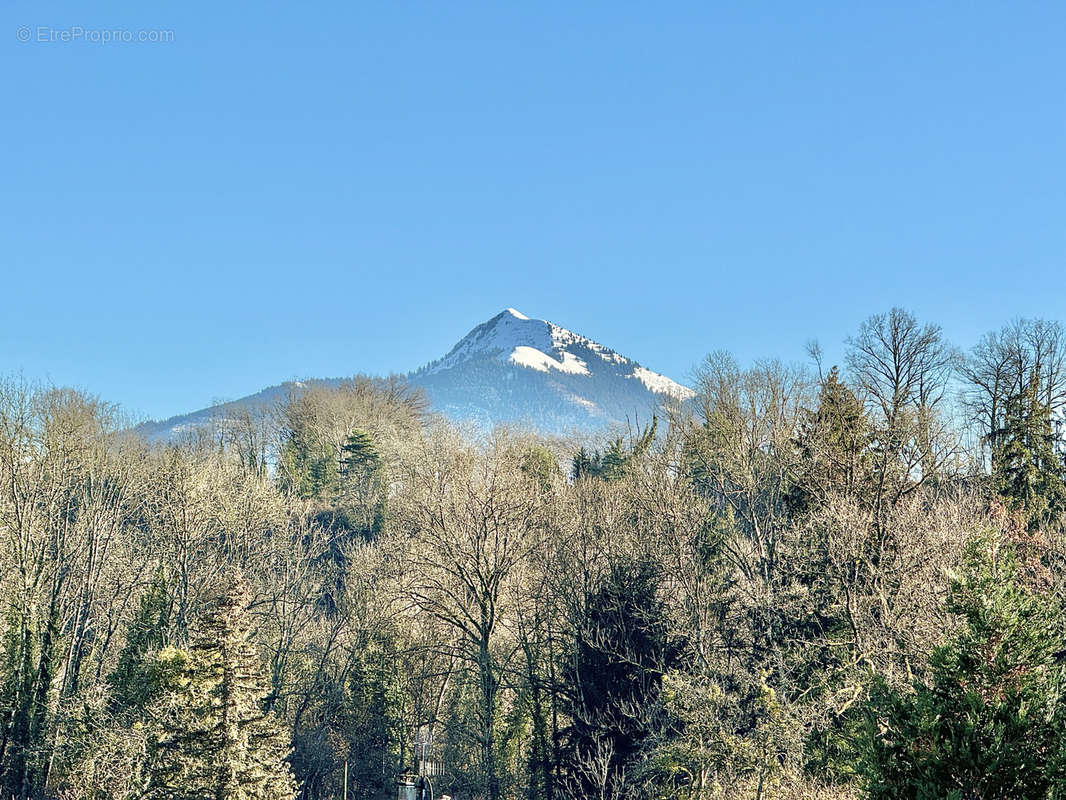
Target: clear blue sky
[{"x": 313, "y": 189}]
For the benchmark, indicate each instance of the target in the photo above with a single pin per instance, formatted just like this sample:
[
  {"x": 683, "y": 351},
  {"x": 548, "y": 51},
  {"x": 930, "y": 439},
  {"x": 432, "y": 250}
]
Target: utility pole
[{"x": 346, "y": 779}]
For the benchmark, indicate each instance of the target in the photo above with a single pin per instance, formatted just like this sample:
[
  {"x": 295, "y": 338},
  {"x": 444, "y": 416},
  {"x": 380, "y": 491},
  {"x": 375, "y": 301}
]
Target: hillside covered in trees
[{"x": 804, "y": 582}]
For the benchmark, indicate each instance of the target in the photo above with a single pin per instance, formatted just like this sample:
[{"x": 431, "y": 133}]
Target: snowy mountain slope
[
  {"x": 513, "y": 369},
  {"x": 544, "y": 346},
  {"x": 509, "y": 370}
]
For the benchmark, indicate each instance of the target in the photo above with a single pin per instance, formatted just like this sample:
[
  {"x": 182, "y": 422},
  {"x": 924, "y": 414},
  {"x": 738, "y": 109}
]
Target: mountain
[
  {"x": 531, "y": 372},
  {"x": 509, "y": 370}
]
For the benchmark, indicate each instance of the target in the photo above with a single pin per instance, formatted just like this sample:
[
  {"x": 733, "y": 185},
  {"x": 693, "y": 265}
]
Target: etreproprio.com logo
[{"x": 47, "y": 34}]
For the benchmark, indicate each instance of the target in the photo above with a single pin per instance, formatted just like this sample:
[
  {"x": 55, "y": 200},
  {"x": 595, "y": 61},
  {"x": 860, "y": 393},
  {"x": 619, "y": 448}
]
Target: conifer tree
[
  {"x": 611, "y": 464},
  {"x": 372, "y": 712},
  {"x": 832, "y": 444},
  {"x": 131, "y": 682},
  {"x": 1028, "y": 468},
  {"x": 309, "y": 469},
  {"x": 584, "y": 463},
  {"x": 614, "y": 461},
  {"x": 359, "y": 455},
  {"x": 990, "y": 723},
  {"x": 615, "y": 673},
  {"x": 214, "y": 741},
  {"x": 541, "y": 465},
  {"x": 361, "y": 485}
]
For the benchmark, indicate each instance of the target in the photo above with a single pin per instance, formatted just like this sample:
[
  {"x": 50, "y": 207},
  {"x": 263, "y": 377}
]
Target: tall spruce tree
[
  {"x": 832, "y": 445},
  {"x": 213, "y": 740},
  {"x": 359, "y": 455},
  {"x": 585, "y": 463},
  {"x": 612, "y": 463},
  {"x": 1027, "y": 463},
  {"x": 361, "y": 502}
]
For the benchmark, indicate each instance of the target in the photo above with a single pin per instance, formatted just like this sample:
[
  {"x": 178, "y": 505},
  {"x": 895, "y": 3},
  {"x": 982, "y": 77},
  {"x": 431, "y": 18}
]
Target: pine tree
[
  {"x": 374, "y": 722},
  {"x": 832, "y": 445},
  {"x": 361, "y": 502},
  {"x": 1028, "y": 467},
  {"x": 213, "y": 739},
  {"x": 132, "y": 683},
  {"x": 614, "y": 461},
  {"x": 611, "y": 464},
  {"x": 990, "y": 723},
  {"x": 585, "y": 464},
  {"x": 309, "y": 469},
  {"x": 359, "y": 455},
  {"x": 619, "y": 658}
]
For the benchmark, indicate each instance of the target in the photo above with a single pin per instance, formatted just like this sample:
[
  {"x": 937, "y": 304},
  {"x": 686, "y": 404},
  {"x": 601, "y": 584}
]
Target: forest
[{"x": 810, "y": 581}]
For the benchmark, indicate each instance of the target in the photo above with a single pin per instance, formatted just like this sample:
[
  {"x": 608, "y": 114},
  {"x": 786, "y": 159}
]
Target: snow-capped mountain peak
[
  {"x": 516, "y": 339},
  {"x": 501, "y": 336}
]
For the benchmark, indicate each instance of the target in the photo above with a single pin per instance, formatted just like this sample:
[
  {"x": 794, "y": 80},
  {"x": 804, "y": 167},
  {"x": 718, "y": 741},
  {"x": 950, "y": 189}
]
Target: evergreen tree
[
  {"x": 616, "y": 672},
  {"x": 131, "y": 682},
  {"x": 17, "y": 679},
  {"x": 990, "y": 723},
  {"x": 359, "y": 455},
  {"x": 540, "y": 464},
  {"x": 1027, "y": 464},
  {"x": 585, "y": 464},
  {"x": 611, "y": 464},
  {"x": 372, "y": 712},
  {"x": 361, "y": 485},
  {"x": 214, "y": 741},
  {"x": 309, "y": 469},
  {"x": 832, "y": 445}
]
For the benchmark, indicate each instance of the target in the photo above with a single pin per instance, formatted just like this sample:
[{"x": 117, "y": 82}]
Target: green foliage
[
  {"x": 462, "y": 747},
  {"x": 20, "y": 670},
  {"x": 374, "y": 723},
  {"x": 989, "y": 723},
  {"x": 212, "y": 739},
  {"x": 135, "y": 680},
  {"x": 309, "y": 469},
  {"x": 359, "y": 455},
  {"x": 585, "y": 464},
  {"x": 611, "y": 464},
  {"x": 615, "y": 675},
  {"x": 98, "y": 758},
  {"x": 706, "y": 746},
  {"x": 540, "y": 464},
  {"x": 361, "y": 486},
  {"x": 833, "y": 445},
  {"x": 699, "y": 615},
  {"x": 1028, "y": 466}
]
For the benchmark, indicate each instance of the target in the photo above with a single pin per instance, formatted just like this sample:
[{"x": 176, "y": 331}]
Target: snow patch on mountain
[
  {"x": 531, "y": 357},
  {"x": 660, "y": 384}
]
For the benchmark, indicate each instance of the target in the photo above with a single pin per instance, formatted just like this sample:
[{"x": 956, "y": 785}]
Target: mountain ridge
[{"x": 511, "y": 369}]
